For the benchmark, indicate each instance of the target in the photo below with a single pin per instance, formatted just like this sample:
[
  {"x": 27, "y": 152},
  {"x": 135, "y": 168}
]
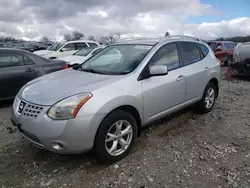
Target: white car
[
  {"x": 60, "y": 49},
  {"x": 80, "y": 56}
]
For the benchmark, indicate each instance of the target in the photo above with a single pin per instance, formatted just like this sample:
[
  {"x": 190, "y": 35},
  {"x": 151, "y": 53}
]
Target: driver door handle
[
  {"x": 29, "y": 70},
  {"x": 180, "y": 78}
]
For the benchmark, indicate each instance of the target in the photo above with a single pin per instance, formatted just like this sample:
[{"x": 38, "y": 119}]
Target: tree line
[{"x": 111, "y": 38}]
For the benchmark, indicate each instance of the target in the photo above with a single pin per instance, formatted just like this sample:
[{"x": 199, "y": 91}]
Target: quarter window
[
  {"x": 27, "y": 61},
  {"x": 189, "y": 53},
  {"x": 204, "y": 49},
  {"x": 10, "y": 60},
  {"x": 166, "y": 55},
  {"x": 80, "y": 46}
]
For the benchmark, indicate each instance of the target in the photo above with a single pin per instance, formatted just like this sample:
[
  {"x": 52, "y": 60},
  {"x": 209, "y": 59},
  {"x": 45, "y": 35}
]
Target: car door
[
  {"x": 196, "y": 69},
  {"x": 15, "y": 71},
  {"x": 161, "y": 93}
]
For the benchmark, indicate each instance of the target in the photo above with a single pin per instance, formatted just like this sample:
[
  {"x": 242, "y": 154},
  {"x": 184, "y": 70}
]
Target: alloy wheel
[{"x": 119, "y": 137}]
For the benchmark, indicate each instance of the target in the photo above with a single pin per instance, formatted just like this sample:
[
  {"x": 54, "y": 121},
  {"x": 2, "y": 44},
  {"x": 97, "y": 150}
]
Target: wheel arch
[{"x": 216, "y": 83}]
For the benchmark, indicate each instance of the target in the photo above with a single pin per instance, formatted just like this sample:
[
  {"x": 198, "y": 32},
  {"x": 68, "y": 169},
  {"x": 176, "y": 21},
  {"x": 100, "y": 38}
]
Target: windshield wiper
[{"x": 92, "y": 71}]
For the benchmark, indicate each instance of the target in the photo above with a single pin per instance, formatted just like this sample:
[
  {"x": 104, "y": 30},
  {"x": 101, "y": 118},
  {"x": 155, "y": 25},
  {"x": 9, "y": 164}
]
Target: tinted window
[
  {"x": 10, "y": 60},
  {"x": 27, "y": 61},
  {"x": 80, "y": 46},
  {"x": 167, "y": 55},
  {"x": 69, "y": 47},
  {"x": 229, "y": 46},
  {"x": 92, "y": 44},
  {"x": 189, "y": 52},
  {"x": 204, "y": 49}
]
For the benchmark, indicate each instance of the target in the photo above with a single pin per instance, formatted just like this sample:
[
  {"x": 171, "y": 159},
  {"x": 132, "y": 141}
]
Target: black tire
[
  {"x": 100, "y": 140},
  {"x": 201, "y": 105}
]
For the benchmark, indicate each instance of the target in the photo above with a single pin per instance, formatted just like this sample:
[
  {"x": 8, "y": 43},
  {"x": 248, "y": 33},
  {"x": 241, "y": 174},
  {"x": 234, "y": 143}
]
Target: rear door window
[
  {"x": 189, "y": 53},
  {"x": 11, "y": 60},
  {"x": 80, "y": 46},
  {"x": 204, "y": 49}
]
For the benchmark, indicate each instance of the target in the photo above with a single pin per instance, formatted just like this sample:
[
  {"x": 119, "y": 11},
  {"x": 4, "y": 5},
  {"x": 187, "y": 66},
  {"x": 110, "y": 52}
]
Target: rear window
[
  {"x": 229, "y": 46},
  {"x": 204, "y": 49}
]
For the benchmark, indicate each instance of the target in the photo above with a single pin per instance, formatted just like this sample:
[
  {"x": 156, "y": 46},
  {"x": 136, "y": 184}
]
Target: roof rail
[
  {"x": 141, "y": 38},
  {"x": 184, "y": 36}
]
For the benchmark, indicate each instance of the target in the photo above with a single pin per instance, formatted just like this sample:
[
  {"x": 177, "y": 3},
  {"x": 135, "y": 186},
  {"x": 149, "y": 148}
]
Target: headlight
[{"x": 69, "y": 107}]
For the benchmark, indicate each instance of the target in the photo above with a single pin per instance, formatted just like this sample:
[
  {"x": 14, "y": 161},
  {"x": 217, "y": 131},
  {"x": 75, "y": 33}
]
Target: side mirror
[
  {"x": 65, "y": 49},
  {"x": 158, "y": 70}
]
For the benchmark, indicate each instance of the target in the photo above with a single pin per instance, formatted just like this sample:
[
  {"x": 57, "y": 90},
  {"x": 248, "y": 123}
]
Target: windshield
[
  {"x": 84, "y": 51},
  {"x": 117, "y": 59},
  {"x": 55, "y": 46},
  {"x": 212, "y": 45}
]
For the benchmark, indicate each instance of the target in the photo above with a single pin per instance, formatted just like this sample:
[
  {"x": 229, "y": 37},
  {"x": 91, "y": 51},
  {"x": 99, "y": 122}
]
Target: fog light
[{"x": 57, "y": 146}]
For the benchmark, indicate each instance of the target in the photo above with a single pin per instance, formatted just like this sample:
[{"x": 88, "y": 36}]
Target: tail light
[
  {"x": 219, "y": 62},
  {"x": 65, "y": 67}
]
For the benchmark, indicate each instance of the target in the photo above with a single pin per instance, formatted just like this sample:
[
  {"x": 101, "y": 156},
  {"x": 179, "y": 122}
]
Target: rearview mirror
[{"x": 158, "y": 70}]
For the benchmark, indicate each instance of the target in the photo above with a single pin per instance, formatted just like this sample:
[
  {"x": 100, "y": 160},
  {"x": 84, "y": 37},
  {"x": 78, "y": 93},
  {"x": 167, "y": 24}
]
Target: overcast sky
[{"x": 31, "y": 19}]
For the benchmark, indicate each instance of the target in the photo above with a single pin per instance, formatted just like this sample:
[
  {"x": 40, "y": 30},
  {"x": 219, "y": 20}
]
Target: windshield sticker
[{"x": 144, "y": 47}]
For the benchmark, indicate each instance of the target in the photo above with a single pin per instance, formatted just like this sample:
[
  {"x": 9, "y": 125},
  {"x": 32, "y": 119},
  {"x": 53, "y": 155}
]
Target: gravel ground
[{"x": 184, "y": 150}]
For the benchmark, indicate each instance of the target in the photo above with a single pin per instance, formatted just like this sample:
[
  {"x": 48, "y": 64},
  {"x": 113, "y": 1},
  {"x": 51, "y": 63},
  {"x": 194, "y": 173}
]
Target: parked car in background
[
  {"x": 80, "y": 56},
  {"x": 60, "y": 49},
  {"x": 223, "y": 50},
  {"x": 30, "y": 46},
  {"x": 241, "y": 59},
  {"x": 111, "y": 99},
  {"x": 17, "y": 67}
]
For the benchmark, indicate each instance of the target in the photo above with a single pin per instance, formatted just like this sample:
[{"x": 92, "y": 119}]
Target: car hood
[
  {"x": 51, "y": 88},
  {"x": 71, "y": 59},
  {"x": 42, "y": 52}
]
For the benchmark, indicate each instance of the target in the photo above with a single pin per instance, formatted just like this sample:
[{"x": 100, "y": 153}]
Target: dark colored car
[
  {"x": 223, "y": 50},
  {"x": 31, "y": 47},
  {"x": 241, "y": 59},
  {"x": 17, "y": 67}
]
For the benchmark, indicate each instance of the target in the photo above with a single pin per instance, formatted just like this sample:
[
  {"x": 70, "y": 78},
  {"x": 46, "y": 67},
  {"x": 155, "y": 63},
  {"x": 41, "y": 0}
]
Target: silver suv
[{"x": 103, "y": 103}]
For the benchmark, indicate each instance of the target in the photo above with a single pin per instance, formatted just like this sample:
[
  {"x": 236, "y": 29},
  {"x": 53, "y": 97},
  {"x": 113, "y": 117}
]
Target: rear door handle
[
  {"x": 29, "y": 70},
  {"x": 180, "y": 78},
  {"x": 206, "y": 69}
]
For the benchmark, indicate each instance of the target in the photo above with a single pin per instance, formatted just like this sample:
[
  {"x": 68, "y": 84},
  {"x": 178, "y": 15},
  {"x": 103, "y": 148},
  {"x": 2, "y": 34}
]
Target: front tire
[
  {"x": 207, "y": 102},
  {"x": 115, "y": 136}
]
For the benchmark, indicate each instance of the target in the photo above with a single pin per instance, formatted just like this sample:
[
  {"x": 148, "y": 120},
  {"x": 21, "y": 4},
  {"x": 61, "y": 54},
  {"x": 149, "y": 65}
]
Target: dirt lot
[{"x": 185, "y": 150}]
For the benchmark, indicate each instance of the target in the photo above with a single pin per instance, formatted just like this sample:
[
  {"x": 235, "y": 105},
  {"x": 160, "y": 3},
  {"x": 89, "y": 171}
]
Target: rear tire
[
  {"x": 207, "y": 102},
  {"x": 115, "y": 136}
]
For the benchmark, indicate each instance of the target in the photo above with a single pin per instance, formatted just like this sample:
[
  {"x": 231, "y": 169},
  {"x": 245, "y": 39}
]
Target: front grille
[{"x": 32, "y": 110}]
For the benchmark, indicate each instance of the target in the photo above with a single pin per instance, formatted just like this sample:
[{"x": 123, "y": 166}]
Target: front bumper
[{"x": 75, "y": 135}]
